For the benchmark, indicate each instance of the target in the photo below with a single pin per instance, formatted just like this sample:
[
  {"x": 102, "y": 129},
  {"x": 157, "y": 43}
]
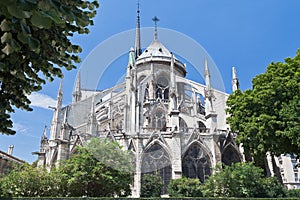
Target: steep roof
[
  {"x": 155, "y": 49},
  {"x": 157, "y": 52}
]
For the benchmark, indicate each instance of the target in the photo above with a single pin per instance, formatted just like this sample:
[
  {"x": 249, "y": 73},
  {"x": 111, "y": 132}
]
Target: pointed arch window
[
  {"x": 157, "y": 161},
  {"x": 182, "y": 125},
  {"x": 159, "y": 119},
  {"x": 162, "y": 88},
  {"x": 196, "y": 163},
  {"x": 230, "y": 155}
]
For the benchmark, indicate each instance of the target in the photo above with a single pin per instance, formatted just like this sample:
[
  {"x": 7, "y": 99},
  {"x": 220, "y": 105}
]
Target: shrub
[
  {"x": 151, "y": 185},
  {"x": 293, "y": 193},
  {"x": 185, "y": 187},
  {"x": 242, "y": 180}
]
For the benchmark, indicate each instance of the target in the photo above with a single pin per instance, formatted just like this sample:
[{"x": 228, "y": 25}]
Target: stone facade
[{"x": 173, "y": 126}]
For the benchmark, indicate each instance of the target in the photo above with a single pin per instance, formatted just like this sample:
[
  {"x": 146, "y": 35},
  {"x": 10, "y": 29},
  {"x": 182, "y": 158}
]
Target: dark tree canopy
[
  {"x": 267, "y": 117},
  {"x": 35, "y": 45}
]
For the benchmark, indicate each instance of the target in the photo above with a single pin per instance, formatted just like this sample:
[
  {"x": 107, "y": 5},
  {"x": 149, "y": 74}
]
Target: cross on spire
[{"x": 155, "y": 19}]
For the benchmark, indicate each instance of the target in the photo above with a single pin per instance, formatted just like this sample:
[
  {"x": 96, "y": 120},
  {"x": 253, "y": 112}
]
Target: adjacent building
[{"x": 8, "y": 161}]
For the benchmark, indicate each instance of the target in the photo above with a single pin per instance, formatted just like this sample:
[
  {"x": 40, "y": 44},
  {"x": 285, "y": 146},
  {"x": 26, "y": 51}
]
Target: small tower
[
  {"x": 173, "y": 89},
  {"x": 63, "y": 140},
  {"x": 43, "y": 148},
  {"x": 208, "y": 90},
  {"x": 77, "y": 89},
  {"x": 55, "y": 125},
  {"x": 44, "y": 140},
  {"x": 235, "y": 80},
  {"x": 91, "y": 126},
  {"x": 55, "y": 128},
  {"x": 211, "y": 115}
]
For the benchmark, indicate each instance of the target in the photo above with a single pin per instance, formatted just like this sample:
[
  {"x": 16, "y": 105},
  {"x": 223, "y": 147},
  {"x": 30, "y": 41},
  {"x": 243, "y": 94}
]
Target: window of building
[
  {"x": 157, "y": 161},
  {"x": 182, "y": 125},
  {"x": 162, "y": 88},
  {"x": 196, "y": 163},
  {"x": 296, "y": 177},
  {"x": 159, "y": 119}
]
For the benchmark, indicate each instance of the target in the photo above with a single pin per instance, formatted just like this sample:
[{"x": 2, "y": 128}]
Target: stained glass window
[
  {"x": 196, "y": 163},
  {"x": 157, "y": 161}
]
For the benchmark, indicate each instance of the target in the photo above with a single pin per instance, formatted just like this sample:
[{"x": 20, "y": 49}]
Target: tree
[
  {"x": 27, "y": 181},
  {"x": 85, "y": 174},
  {"x": 35, "y": 45},
  {"x": 185, "y": 187},
  {"x": 267, "y": 117},
  {"x": 242, "y": 180},
  {"x": 151, "y": 185}
]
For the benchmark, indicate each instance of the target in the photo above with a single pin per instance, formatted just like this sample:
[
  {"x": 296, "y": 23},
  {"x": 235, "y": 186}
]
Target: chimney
[{"x": 10, "y": 149}]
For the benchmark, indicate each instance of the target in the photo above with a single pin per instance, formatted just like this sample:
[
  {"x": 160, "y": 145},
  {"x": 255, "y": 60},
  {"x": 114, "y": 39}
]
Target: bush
[
  {"x": 185, "y": 187},
  {"x": 272, "y": 188},
  {"x": 293, "y": 193},
  {"x": 151, "y": 185},
  {"x": 27, "y": 181},
  {"x": 242, "y": 180}
]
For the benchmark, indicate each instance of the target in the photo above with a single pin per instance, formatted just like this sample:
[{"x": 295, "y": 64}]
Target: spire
[
  {"x": 173, "y": 92},
  {"x": 55, "y": 125},
  {"x": 91, "y": 128},
  {"x": 131, "y": 58},
  {"x": 77, "y": 89},
  {"x": 172, "y": 78},
  {"x": 138, "y": 49},
  {"x": 44, "y": 133},
  {"x": 155, "y": 19},
  {"x": 235, "y": 80},
  {"x": 207, "y": 75},
  {"x": 60, "y": 92}
]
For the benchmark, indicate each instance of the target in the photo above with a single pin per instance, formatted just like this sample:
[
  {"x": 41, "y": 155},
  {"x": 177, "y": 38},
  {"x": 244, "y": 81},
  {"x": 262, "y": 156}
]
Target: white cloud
[
  {"x": 20, "y": 128},
  {"x": 41, "y": 100}
]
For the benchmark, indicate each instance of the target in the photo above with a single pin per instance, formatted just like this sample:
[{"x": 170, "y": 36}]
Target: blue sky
[{"x": 245, "y": 34}]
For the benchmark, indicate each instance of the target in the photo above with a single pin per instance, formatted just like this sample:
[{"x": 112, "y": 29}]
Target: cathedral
[{"x": 173, "y": 126}]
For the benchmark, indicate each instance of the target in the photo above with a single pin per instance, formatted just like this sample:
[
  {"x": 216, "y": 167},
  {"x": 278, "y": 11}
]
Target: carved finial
[{"x": 155, "y": 19}]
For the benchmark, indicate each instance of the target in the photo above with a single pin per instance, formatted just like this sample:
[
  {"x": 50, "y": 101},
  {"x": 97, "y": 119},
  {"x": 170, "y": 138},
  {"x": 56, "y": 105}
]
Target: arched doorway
[
  {"x": 196, "y": 163},
  {"x": 157, "y": 161}
]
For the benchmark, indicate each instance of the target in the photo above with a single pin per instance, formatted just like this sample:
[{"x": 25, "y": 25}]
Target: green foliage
[
  {"x": 27, "y": 181},
  {"x": 35, "y": 45},
  {"x": 82, "y": 175},
  {"x": 266, "y": 117},
  {"x": 293, "y": 193},
  {"x": 242, "y": 180},
  {"x": 272, "y": 188},
  {"x": 151, "y": 185},
  {"x": 85, "y": 175},
  {"x": 185, "y": 187}
]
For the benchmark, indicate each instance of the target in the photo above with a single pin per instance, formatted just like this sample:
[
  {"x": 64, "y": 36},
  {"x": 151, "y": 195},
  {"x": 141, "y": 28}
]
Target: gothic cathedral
[{"x": 173, "y": 126}]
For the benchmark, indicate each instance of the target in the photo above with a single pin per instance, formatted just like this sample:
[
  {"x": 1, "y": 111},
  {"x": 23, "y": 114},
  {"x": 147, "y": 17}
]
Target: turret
[
  {"x": 55, "y": 124},
  {"x": 44, "y": 140},
  {"x": 173, "y": 89},
  {"x": 235, "y": 80},
  {"x": 91, "y": 126},
  {"x": 77, "y": 89},
  {"x": 208, "y": 90}
]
